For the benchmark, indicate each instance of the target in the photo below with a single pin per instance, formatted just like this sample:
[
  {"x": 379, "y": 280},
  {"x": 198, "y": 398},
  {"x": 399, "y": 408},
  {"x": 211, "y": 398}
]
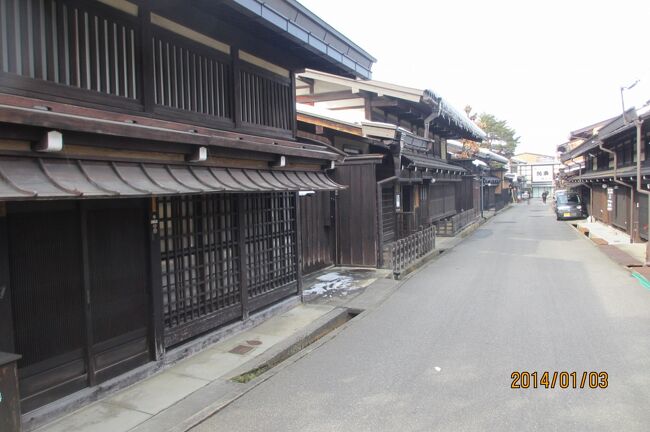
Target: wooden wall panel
[
  {"x": 600, "y": 204},
  {"x": 357, "y": 218},
  {"x": 317, "y": 231},
  {"x": 621, "y": 214},
  {"x": 47, "y": 296}
]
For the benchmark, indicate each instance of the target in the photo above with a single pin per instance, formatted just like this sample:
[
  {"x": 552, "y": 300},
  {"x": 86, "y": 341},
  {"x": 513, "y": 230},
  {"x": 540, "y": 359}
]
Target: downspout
[
  {"x": 639, "y": 188},
  {"x": 617, "y": 181},
  {"x": 431, "y": 117}
]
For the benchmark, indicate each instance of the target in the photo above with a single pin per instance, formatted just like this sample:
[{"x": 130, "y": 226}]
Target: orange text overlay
[{"x": 563, "y": 380}]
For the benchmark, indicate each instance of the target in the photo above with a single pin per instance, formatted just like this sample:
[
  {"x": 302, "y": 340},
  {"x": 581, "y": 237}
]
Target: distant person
[{"x": 544, "y": 195}]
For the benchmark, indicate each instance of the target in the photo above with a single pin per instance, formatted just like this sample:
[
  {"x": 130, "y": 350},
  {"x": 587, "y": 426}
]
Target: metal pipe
[
  {"x": 617, "y": 181},
  {"x": 639, "y": 188},
  {"x": 427, "y": 121}
]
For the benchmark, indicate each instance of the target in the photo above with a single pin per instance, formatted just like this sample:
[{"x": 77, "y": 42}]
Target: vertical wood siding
[
  {"x": 317, "y": 231},
  {"x": 357, "y": 239}
]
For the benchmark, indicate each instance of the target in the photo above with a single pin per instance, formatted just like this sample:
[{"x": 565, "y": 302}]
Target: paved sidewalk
[
  {"x": 614, "y": 242},
  {"x": 136, "y": 405}
]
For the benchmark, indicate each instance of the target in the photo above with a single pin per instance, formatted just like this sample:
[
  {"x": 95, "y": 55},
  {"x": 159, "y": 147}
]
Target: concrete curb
[{"x": 212, "y": 398}]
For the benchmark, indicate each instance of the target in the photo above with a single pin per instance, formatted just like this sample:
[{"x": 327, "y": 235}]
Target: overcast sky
[{"x": 545, "y": 67}]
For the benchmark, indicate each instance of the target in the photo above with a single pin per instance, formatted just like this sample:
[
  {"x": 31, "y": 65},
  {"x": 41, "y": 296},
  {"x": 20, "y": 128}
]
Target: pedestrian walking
[{"x": 544, "y": 195}]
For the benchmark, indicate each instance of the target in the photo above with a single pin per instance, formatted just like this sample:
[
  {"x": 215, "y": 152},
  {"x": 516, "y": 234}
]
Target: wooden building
[
  {"x": 149, "y": 172},
  {"x": 396, "y": 169},
  {"x": 607, "y": 178}
]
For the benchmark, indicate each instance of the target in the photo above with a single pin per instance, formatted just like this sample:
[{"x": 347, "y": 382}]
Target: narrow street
[{"x": 523, "y": 293}]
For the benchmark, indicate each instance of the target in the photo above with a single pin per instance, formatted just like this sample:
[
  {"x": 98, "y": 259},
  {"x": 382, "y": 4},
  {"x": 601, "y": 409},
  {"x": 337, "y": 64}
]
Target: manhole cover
[
  {"x": 254, "y": 342},
  {"x": 241, "y": 349}
]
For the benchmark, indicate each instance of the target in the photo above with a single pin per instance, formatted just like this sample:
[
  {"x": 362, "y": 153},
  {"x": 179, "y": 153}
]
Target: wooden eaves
[{"x": 54, "y": 115}]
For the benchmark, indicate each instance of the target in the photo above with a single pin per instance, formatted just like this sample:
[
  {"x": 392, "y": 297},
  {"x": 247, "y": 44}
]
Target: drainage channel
[{"x": 344, "y": 316}]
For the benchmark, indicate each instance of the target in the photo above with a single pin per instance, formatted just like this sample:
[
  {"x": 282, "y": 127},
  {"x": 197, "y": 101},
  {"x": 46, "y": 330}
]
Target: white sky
[{"x": 545, "y": 67}]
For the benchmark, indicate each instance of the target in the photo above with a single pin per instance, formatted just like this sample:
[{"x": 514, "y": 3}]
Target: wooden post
[
  {"x": 85, "y": 257},
  {"x": 294, "y": 116},
  {"x": 236, "y": 80},
  {"x": 243, "y": 257},
  {"x": 146, "y": 56},
  {"x": 380, "y": 227},
  {"x": 6, "y": 319},
  {"x": 298, "y": 247},
  {"x": 155, "y": 283}
]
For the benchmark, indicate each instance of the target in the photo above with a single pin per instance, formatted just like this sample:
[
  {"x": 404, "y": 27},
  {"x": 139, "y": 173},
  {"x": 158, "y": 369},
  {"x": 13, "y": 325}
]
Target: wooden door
[
  {"x": 118, "y": 285},
  {"x": 317, "y": 231},
  {"x": 46, "y": 284},
  {"x": 621, "y": 208},
  {"x": 357, "y": 215},
  {"x": 643, "y": 216}
]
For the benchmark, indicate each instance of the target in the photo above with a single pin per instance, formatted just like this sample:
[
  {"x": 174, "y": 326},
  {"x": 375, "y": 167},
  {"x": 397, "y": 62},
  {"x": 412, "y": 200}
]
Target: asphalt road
[{"x": 523, "y": 293}]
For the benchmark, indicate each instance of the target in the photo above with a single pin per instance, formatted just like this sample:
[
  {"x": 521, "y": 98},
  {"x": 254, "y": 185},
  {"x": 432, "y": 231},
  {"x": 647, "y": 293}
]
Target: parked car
[{"x": 568, "y": 205}]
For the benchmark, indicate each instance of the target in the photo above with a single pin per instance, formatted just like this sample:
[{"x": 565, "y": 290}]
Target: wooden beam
[
  {"x": 346, "y": 108},
  {"x": 384, "y": 102},
  {"x": 330, "y": 124},
  {"x": 326, "y": 97},
  {"x": 314, "y": 137},
  {"x": 67, "y": 117}
]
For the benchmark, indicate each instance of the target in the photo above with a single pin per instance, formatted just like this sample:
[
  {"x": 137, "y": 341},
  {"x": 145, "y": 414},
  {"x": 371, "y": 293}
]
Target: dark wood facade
[
  {"x": 612, "y": 197},
  {"x": 62, "y": 255},
  {"x": 395, "y": 187},
  {"x": 149, "y": 179}
]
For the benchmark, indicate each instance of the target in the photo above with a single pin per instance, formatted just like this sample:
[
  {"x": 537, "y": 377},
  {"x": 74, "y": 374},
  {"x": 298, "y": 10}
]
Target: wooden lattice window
[
  {"x": 191, "y": 77},
  {"x": 266, "y": 100},
  {"x": 78, "y": 44},
  {"x": 199, "y": 246},
  {"x": 270, "y": 221}
]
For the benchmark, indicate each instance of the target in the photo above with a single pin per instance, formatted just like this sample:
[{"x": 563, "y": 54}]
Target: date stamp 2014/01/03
[{"x": 563, "y": 380}]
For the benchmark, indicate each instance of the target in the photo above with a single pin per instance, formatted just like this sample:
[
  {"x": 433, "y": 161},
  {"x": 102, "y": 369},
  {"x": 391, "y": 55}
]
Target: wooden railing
[
  {"x": 409, "y": 249},
  {"x": 453, "y": 225}
]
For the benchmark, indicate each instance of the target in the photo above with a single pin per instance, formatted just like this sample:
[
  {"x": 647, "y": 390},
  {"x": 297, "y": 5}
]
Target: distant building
[{"x": 539, "y": 171}]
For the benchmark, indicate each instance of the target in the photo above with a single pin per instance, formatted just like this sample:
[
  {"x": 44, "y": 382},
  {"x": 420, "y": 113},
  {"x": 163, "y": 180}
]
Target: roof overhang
[
  {"x": 36, "y": 178},
  {"x": 298, "y": 24},
  {"x": 432, "y": 164},
  {"x": 445, "y": 115}
]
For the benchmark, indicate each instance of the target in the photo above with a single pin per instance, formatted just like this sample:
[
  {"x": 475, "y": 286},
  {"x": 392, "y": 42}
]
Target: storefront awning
[{"x": 49, "y": 178}]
